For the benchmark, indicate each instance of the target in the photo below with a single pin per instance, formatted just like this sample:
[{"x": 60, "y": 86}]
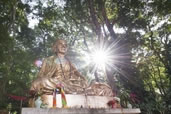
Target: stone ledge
[{"x": 79, "y": 111}]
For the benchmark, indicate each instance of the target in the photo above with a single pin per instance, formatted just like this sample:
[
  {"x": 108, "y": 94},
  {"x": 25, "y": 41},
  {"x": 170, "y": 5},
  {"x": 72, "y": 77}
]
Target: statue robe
[{"x": 55, "y": 71}]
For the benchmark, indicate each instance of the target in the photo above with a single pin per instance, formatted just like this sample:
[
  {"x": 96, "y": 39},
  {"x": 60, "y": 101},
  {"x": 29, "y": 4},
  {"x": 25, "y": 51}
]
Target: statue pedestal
[
  {"x": 79, "y": 104},
  {"x": 79, "y": 111},
  {"x": 79, "y": 101}
]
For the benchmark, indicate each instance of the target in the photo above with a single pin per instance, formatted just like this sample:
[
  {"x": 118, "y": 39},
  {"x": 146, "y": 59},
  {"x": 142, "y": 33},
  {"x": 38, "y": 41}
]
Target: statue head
[{"x": 60, "y": 47}]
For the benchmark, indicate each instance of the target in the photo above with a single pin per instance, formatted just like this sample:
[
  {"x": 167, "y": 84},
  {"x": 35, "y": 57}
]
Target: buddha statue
[{"x": 58, "y": 70}]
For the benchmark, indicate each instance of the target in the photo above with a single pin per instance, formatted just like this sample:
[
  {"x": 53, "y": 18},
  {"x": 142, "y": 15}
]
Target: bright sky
[{"x": 33, "y": 20}]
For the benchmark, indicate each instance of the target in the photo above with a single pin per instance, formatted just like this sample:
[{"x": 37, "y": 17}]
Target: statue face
[{"x": 61, "y": 46}]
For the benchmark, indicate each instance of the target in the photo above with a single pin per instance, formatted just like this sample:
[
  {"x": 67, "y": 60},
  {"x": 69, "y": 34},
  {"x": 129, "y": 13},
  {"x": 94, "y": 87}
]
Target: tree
[{"x": 142, "y": 61}]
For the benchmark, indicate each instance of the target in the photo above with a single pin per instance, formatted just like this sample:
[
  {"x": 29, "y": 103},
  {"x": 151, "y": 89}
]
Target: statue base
[
  {"x": 79, "y": 111},
  {"x": 78, "y": 101}
]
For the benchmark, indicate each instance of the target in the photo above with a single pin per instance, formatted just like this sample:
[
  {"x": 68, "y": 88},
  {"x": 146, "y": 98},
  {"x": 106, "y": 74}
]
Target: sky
[{"x": 33, "y": 20}]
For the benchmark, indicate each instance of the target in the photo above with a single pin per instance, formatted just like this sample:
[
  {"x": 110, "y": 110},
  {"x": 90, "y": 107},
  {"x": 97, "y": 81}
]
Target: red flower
[
  {"x": 17, "y": 98},
  {"x": 133, "y": 97}
]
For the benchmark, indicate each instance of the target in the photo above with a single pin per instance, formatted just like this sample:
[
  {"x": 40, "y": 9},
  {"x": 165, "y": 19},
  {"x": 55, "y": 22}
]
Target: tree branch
[
  {"x": 94, "y": 19},
  {"x": 108, "y": 24}
]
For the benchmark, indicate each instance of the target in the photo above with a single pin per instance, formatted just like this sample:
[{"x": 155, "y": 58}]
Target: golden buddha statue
[{"x": 58, "y": 70}]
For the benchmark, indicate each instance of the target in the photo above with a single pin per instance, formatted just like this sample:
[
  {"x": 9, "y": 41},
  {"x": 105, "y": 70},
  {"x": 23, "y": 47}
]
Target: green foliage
[{"x": 145, "y": 44}]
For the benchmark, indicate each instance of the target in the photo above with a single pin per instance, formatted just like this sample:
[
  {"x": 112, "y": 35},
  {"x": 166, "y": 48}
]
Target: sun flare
[{"x": 100, "y": 58}]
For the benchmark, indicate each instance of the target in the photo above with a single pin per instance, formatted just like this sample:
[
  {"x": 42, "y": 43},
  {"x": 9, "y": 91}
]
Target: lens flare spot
[{"x": 38, "y": 63}]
